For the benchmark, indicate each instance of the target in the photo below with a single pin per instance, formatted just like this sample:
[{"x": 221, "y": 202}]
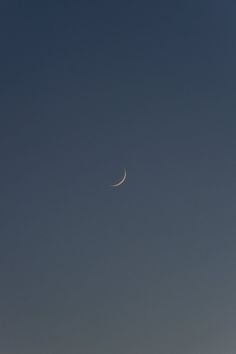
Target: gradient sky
[{"x": 88, "y": 88}]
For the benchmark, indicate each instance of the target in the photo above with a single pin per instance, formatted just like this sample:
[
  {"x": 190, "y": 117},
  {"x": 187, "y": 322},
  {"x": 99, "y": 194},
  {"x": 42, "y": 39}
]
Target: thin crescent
[{"x": 122, "y": 181}]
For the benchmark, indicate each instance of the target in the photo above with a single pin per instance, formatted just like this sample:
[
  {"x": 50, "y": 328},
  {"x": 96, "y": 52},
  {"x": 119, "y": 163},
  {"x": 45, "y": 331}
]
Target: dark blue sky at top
[{"x": 88, "y": 88}]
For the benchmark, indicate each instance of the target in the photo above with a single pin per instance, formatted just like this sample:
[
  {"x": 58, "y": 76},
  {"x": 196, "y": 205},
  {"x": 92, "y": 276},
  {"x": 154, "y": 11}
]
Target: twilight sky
[{"x": 89, "y": 88}]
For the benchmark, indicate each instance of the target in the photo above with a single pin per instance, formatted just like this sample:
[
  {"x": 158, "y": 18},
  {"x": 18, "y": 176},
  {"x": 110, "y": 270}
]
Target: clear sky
[{"x": 89, "y": 88}]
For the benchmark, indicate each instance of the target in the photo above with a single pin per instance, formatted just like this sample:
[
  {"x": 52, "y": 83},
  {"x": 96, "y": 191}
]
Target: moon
[{"x": 121, "y": 181}]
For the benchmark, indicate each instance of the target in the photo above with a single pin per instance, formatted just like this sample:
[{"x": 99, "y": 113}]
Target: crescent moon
[{"x": 120, "y": 182}]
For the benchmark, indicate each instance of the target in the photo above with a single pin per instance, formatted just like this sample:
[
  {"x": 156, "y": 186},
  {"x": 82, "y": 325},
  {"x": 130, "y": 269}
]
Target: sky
[{"x": 87, "y": 89}]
